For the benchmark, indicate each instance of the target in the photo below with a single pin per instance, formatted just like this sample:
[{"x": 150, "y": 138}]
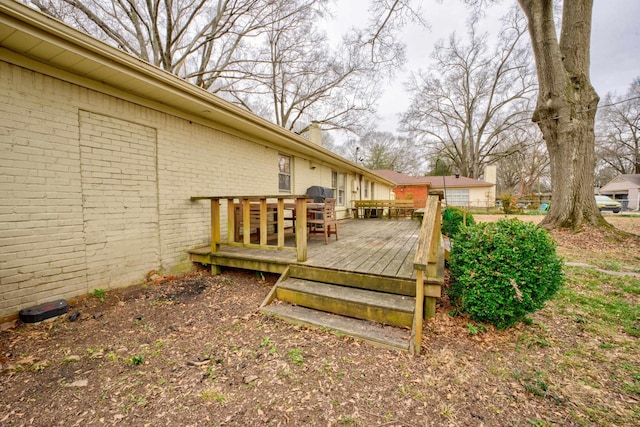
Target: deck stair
[
  {"x": 376, "y": 283},
  {"x": 376, "y": 309}
]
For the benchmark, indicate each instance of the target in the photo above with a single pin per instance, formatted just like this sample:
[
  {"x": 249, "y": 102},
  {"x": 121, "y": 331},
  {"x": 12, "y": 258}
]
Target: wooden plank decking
[
  {"x": 378, "y": 247},
  {"x": 375, "y": 272}
]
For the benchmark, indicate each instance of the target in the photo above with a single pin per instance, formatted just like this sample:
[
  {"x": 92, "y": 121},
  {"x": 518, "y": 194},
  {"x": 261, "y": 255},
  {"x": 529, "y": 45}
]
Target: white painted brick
[
  {"x": 18, "y": 295},
  {"x": 16, "y": 278},
  {"x": 69, "y": 151}
]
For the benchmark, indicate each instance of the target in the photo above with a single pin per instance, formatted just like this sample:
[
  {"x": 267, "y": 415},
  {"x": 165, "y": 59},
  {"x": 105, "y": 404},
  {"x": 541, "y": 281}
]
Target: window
[
  {"x": 366, "y": 189},
  {"x": 342, "y": 179},
  {"x": 338, "y": 182},
  {"x": 284, "y": 172}
]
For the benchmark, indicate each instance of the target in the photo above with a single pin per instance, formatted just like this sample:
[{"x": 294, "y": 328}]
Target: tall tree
[
  {"x": 566, "y": 108},
  {"x": 472, "y": 97},
  {"x": 200, "y": 40},
  {"x": 438, "y": 167},
  {"x": 296, "y": 77},
  {"x": 526, "y": 165},
  {"x": 267, "y": 55},
  {"x": 618, "y": 131},
  {"x": 383, "y": 150}
]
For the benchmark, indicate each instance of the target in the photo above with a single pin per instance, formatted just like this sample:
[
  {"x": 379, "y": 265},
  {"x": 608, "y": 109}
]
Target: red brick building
[{"x": 406, "y": 187}]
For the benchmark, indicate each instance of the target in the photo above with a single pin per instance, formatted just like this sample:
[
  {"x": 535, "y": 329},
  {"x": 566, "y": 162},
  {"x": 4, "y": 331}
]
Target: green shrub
[
  {"x": 508, "y": 203},
  {"x": 502, "y": 271},
  {"x": 453, "y": 219}
]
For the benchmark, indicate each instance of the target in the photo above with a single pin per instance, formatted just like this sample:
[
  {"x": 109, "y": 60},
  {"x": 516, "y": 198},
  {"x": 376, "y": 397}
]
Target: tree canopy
[
  {"x": 618, "y": 132},
  {"x": 470, "y": 105},
  {"x": 270, "y": 56}
]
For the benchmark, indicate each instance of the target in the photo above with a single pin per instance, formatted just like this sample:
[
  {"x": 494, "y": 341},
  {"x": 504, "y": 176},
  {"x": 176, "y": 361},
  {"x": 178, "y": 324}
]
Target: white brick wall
[
  {"x": 41, "y": 227},
  {"x": 120, "y": 199},
  {"x": 87, "y": 180}
]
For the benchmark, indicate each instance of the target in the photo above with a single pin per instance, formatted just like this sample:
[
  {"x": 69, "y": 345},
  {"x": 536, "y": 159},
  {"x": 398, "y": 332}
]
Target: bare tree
[
  {"x": 566, "y": 108},
  {"x": 618, "y": 132},
  {"x": 383, "y": 150},
  {"x": 472, "y": 98},
  {"x": 267, "y": 55},
  {"x": 380, "y": 36},
  {"x": 526, "y": 165},
  {"x": 302, "y": 78},
  {"x": 199, "y": 40}
]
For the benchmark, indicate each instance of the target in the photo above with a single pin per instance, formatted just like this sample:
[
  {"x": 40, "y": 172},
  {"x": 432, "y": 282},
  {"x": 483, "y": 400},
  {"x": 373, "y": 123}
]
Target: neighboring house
[
  {"x": 624, "y": 187},
  {"x": 406, "y": 187},
  {"x": 458, "y": 190},
  {"x": 101, "y": 152}
]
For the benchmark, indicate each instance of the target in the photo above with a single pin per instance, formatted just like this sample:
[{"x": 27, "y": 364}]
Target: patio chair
[{"x": 323, "y": 219}]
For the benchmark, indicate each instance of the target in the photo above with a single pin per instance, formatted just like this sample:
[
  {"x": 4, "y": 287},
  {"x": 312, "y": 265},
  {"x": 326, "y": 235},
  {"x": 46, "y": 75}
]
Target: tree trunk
[{"x": 566, "y": 109}]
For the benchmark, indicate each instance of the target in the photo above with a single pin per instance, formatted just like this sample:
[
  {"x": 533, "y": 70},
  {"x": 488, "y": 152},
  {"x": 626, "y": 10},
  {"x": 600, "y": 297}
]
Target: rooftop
[{"x": 452, "y": 181}]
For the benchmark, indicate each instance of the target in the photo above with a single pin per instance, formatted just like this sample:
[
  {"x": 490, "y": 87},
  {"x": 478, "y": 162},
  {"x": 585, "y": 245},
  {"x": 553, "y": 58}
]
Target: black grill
[{"x": 318, "y": 193}]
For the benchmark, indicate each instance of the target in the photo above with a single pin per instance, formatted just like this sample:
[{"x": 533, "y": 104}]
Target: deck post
[
  {"x": 264, "y": 231},
  {"x": 215, "y": 231},
  {"x": 416, "y": 341},
  {"x": 215, "y": 224},
  {"x": 246, "y": 221},
  {"x": 301, "y": 229},
  {"x": 231, "y": 221},
  {"x": 280, "y": 215}
]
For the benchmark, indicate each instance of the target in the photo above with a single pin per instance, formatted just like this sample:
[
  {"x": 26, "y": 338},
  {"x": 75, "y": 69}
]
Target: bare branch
[{"x": 470, "y": 102}]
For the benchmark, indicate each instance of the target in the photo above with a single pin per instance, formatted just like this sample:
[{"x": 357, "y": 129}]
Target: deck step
[
  {"x": 374, "y": 333},
  {"x": 390, "y": 285},
  {"x": 379, "y": 307}
]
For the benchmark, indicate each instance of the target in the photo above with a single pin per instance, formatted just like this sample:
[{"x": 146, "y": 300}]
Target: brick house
[
  {"x": 101, "y": 153},
  {"x": 405, "y": 186},
  {"x": 459, "y": 190}
]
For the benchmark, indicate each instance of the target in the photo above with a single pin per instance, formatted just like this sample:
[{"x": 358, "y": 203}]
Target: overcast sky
[{"x": 615, "y": 45}]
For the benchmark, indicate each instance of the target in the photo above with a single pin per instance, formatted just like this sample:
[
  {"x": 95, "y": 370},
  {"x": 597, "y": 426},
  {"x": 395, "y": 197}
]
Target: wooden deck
[
  {"x": 378, "y": 247},
  {"x": 379, "y": 272}
]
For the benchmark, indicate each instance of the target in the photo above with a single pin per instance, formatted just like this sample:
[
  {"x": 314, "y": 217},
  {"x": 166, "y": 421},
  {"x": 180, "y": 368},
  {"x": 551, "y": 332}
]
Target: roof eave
[{"x": 168, "y": 89}]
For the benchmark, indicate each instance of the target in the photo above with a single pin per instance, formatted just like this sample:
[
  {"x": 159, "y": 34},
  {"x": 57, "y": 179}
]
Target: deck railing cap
[
  {"x": 254, "y": 197},
  {"x": 429, "y": 235}
]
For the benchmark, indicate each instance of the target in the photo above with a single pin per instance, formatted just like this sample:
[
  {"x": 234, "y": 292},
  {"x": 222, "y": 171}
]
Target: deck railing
[
  {"x": 395, "y": 208},
  {"x": 426, "y": 263},
  {"x": 259, "y": 213}
]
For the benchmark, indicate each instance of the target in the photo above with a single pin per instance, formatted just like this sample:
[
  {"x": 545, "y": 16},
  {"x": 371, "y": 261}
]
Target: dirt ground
[{"x": 193, "y": 351}]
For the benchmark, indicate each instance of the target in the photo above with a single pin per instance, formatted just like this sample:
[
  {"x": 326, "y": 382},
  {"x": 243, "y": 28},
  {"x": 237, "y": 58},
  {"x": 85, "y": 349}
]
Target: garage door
[{"x": 458, "y": 197}]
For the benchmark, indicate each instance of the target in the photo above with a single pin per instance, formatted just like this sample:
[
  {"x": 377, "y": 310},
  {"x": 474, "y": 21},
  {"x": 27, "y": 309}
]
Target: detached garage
[{"x": 624, "y": 188}]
